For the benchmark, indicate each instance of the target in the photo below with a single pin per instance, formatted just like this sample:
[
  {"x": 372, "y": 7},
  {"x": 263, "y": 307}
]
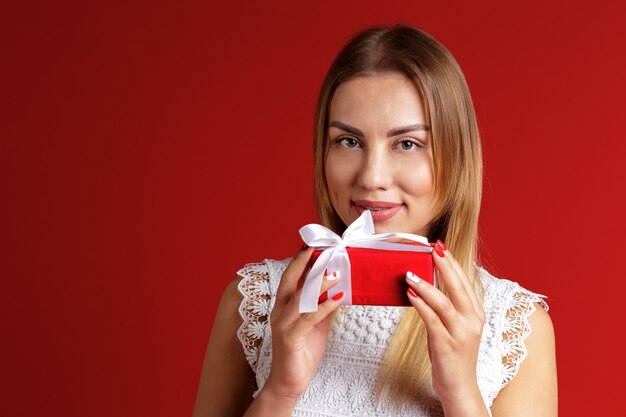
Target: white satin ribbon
[{"x": 360, "y": 234}]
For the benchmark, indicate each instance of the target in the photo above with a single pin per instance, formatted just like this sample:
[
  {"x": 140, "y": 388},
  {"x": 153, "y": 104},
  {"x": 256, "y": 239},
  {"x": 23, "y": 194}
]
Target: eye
[
  {"x": 409, "y": 145},
  {"x": 347, "y": 142}
]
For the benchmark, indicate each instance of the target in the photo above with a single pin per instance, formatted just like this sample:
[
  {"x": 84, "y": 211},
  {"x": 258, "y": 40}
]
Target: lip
[{"x": 389, "y": 209}]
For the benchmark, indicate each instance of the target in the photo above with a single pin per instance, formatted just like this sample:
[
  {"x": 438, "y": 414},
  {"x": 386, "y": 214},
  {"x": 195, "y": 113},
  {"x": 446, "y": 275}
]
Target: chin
[{"x": 397, "y": 228}]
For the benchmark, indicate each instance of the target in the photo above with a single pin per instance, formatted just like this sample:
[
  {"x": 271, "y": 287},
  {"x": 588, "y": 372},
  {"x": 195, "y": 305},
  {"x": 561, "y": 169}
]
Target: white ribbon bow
[{"x": 359, "y": 234}]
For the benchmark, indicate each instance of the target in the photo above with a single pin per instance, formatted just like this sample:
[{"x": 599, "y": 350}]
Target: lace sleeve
[
  {"x": 254, "y": 309},
  {"x": 516, "y": 329}
]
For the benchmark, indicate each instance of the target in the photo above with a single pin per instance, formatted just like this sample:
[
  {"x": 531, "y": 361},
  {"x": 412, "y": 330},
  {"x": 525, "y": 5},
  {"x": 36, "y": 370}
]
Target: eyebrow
[{"x": 393, "y": 132}]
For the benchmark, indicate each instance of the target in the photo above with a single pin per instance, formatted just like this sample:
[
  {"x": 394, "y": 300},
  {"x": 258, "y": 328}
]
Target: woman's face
[{"x": 379, "y": 156}]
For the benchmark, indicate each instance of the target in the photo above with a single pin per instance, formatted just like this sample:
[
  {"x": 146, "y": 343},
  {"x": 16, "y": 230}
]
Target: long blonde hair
[{"x": 457, "y": 168}]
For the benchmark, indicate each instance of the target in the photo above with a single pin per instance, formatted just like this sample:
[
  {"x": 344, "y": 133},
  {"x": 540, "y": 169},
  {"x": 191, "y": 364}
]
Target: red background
[{"x": 147, "y": 148}]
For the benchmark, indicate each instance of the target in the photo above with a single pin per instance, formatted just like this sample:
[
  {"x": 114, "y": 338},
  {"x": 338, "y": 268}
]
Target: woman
[{"x": 396, "y": 134}]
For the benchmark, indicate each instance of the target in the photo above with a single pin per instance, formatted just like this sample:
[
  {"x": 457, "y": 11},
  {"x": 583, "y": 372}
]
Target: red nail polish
[
  {"x": 440, "y": 248},
  {"x": 412, "y": 292},
  {"x": 338, "y": 296}
]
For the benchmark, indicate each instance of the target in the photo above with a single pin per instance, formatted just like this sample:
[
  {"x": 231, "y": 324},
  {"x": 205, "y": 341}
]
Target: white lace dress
[{"x": 345, "y": 381}]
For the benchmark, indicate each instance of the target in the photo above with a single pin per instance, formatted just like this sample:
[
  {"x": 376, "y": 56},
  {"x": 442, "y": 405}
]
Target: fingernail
[
  {"x": 338, "y": 296},
  {"x": 333, "y": 276},
  {"x": 412, "y": 277},
  {"x": 440, "y": 248},
  {"x": 323, "y": 297},
  {"x": 412, "y": 292}
]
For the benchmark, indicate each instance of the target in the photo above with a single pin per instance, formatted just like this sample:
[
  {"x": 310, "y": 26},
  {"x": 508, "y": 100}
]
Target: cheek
[
  {"x": 417, "y": 180},
  {"x": 338, "y": 176}
]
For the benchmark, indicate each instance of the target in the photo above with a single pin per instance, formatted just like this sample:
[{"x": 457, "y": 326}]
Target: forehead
[{"x": 390, "y": 98}]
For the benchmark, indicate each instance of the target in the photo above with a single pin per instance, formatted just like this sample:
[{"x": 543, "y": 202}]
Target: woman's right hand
[{"x": 298, "y": 340}]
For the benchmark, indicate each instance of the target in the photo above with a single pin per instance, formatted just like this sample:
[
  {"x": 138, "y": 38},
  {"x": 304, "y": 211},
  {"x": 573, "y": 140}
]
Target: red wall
[{"x": 146, "y": 149}]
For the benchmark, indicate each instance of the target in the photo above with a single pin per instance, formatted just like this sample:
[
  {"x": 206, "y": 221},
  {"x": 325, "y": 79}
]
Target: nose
[{"x": 376, "y": 171}]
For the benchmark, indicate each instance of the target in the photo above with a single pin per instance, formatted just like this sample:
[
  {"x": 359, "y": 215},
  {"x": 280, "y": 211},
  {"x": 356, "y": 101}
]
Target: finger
[
  {"x": 308, "y": 321},
  {"x": 469, "y": 287},
  {"x": 292, "y": 309},
  {"x": 448, "y": 274},
  {"x": 328, "y": 282},
  {"x": 438, "y": 303},
  {"x": 289, "y": 279},
  {"x": 432, "y": 321}
]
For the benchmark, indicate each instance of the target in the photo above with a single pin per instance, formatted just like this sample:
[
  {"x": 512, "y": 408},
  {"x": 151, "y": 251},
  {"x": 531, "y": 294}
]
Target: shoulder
[
  {"x": 248, "y": 281},
  {"x": 501, "y": 293},
  {"x": 519, "y": 311},
  {"x": 542, "y": 329},
  {"x": 531, "y": 385},
  {"x": 254, "y": 290},
  {"x": 225, "y": 373},
  {"x": 526, "y": 342},
  {"x": 227, "y": 382},
  {"x": 260, "y": 278}
]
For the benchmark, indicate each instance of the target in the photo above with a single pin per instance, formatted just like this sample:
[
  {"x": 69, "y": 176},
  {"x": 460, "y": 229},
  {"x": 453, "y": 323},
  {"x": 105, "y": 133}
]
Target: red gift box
[{"x": 378, "y": 276}]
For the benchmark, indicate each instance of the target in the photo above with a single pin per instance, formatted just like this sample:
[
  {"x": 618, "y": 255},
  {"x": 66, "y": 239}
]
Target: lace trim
[
  {"x": 254, "y": 309},
  {"x": 353, "y": 353},
  {"x": 515, "y": 330}
]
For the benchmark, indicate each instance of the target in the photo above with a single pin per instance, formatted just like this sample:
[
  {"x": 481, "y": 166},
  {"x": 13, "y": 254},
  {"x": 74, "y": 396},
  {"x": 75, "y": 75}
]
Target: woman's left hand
[{"x": 454, "y": 324}]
